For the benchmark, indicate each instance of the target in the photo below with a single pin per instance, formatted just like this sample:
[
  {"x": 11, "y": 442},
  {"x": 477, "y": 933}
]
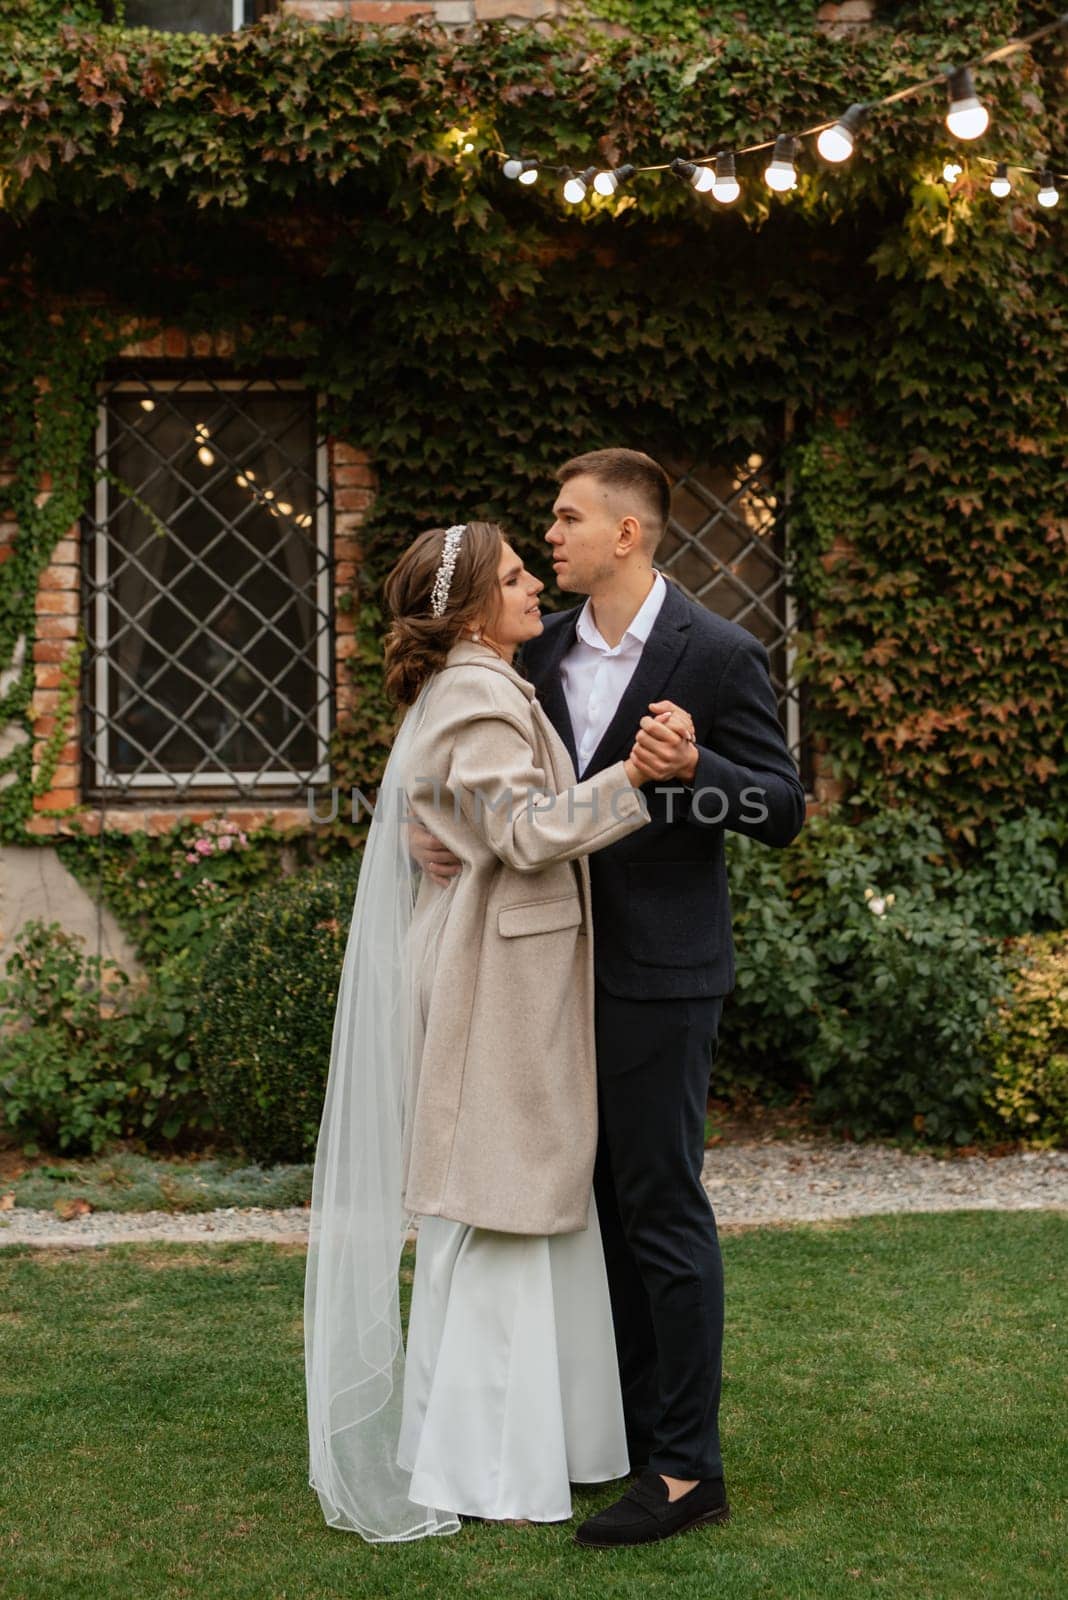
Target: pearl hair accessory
[{"x": 439, "y": 597}]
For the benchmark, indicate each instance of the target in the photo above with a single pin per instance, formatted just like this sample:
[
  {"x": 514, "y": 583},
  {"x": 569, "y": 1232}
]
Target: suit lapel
[
  {"x": 550, "y": 688},
  {"x": 661, "y": 651}
]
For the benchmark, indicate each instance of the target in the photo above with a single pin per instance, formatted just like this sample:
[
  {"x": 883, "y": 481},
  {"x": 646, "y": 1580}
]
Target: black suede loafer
[{"x": 645, "y": 1513}]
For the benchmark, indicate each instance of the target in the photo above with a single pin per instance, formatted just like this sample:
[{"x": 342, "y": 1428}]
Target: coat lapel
[
  {"x": 661, "y": 651},
  {"x": 550, "y": 688}
]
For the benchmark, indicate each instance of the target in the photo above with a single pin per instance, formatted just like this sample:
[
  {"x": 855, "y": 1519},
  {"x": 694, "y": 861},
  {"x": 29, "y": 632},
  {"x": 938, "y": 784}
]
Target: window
[
  {"x": 191, "y": 16},
  {"x": 209, "y": 643},
  {"x": 726, "y": 545}
]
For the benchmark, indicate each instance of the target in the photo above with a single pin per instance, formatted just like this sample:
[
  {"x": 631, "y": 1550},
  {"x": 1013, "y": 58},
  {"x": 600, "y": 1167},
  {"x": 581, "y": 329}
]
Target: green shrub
[
  {"x": 1027, "y": 1045},
  {"x": 87, "y": 1057},
  {"x": 263, "y": 1021},
  {"x": 56, "y": 1094},
  {"x": 880, "y": 1018}
]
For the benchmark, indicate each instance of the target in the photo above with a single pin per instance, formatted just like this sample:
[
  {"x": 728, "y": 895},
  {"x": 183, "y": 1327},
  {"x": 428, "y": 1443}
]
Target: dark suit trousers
[{"x": 665, "y": 1272}]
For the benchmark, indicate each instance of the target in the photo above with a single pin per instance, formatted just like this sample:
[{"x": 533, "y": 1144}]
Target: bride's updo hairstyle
[{"x": 418, "y": 642}]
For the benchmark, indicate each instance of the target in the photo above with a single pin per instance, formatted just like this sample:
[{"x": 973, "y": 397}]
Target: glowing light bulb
[
  {"x": 512, "y": 168},
  {"x": 1048, "y": 193},
  {"x": 148, "y": 405},
  {"x": 576, "y": 186},
  {"x": 967, "y": 117},
  {"x": 836, "y": 144},
  {"x": 951, "y": 172},
  {"x": 999, "y": 183},
  {"x": 530, "y": 174},
  {"x": 780, "y": 173},
  {"x": 702, "y": 178},
  {"x": 607, "y": 183},
  {"x": 725, "y": 186},
  {"x": 206, "y": 456},
  {"x": 285, "y": 508}
]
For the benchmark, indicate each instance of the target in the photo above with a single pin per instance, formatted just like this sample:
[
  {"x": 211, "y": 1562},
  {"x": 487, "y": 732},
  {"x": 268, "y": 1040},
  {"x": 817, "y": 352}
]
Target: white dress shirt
[{"x": 594, "y": 674}]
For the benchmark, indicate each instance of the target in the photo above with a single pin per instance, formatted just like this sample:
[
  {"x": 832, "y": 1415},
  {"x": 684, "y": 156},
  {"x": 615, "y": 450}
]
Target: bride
[{"x": 462, "y": 1092}]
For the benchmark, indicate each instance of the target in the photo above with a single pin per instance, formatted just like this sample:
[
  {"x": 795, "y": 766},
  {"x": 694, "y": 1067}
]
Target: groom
[{"x": 640, "y": 654}]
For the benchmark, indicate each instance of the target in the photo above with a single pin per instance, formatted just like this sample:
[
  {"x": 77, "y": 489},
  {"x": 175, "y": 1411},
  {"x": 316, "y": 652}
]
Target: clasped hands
[{"x": 664, "y": 747}]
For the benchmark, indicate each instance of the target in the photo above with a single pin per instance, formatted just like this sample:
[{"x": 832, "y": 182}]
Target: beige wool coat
[{"x": 502, "y": 1125}]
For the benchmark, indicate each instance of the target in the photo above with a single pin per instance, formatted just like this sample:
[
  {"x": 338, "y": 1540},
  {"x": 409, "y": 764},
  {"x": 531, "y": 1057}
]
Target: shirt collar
[{"x": 639, "y": 628}]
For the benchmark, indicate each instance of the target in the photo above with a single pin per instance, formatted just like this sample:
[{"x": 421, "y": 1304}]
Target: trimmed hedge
[{"x": 262, "y": 1022}]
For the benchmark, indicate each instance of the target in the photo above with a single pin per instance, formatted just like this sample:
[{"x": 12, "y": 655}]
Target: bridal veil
[{"x": 353, "y": 1350}]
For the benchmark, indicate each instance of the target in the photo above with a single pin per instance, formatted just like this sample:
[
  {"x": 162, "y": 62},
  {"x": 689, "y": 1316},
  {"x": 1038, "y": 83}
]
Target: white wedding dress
[{"x": 511, "y": 1387}]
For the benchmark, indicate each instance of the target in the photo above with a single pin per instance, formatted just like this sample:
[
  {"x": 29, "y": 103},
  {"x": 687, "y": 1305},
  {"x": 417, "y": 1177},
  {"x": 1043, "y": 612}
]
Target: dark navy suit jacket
[{"x": 661, "y": 906}]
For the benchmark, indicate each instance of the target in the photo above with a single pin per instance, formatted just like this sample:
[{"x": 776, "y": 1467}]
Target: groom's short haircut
[{"x": 629, "y": 473}]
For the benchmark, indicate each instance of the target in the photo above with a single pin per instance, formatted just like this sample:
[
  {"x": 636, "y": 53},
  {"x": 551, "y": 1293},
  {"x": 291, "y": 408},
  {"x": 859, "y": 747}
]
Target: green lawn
[{"x": 892, "y": 1419}]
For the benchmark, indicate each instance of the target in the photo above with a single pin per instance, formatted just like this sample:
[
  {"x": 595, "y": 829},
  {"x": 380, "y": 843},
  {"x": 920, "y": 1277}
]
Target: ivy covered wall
[{"x": 310, "y": 187}]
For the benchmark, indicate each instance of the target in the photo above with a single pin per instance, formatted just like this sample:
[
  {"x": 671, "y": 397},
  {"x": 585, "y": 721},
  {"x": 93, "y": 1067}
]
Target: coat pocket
[{"x": 539, "y": 916}]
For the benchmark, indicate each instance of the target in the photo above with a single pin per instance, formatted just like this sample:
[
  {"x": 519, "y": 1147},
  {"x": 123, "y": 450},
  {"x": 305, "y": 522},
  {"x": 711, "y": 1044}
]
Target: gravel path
[{"x": 748, "y": 1182}]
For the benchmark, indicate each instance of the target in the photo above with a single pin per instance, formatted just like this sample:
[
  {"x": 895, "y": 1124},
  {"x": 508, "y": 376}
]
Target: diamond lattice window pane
[
  {"x": 207, "y": 588},
  {"x": 726, "y": 545}
]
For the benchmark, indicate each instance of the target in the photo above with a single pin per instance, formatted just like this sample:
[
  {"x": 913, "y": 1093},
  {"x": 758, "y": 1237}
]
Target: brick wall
[{"x": 58, "y": 611}]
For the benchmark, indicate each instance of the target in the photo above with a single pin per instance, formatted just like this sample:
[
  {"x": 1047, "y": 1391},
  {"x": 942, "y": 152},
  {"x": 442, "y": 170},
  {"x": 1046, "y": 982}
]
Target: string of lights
[{"x": 966, "y": 118}]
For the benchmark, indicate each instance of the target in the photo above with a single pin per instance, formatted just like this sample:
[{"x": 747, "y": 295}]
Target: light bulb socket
[
  {"x": 785, "y": 148},
  {"x": 725, "y": 165},
  {"x": 961, "y": 84},
  {"x": 854, "y": 117},
  {"x": 1046, "y": 180},
  {"x": 1002, "y": 170},
  {"x": 683, "y": 169}
]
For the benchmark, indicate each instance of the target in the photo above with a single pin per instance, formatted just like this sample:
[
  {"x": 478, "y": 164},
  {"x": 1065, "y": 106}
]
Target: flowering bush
[{"x": 170, "y": 893}]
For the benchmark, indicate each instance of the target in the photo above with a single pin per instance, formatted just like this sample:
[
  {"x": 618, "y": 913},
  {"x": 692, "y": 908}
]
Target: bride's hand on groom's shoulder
[{"x": 435, "y": 858}]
